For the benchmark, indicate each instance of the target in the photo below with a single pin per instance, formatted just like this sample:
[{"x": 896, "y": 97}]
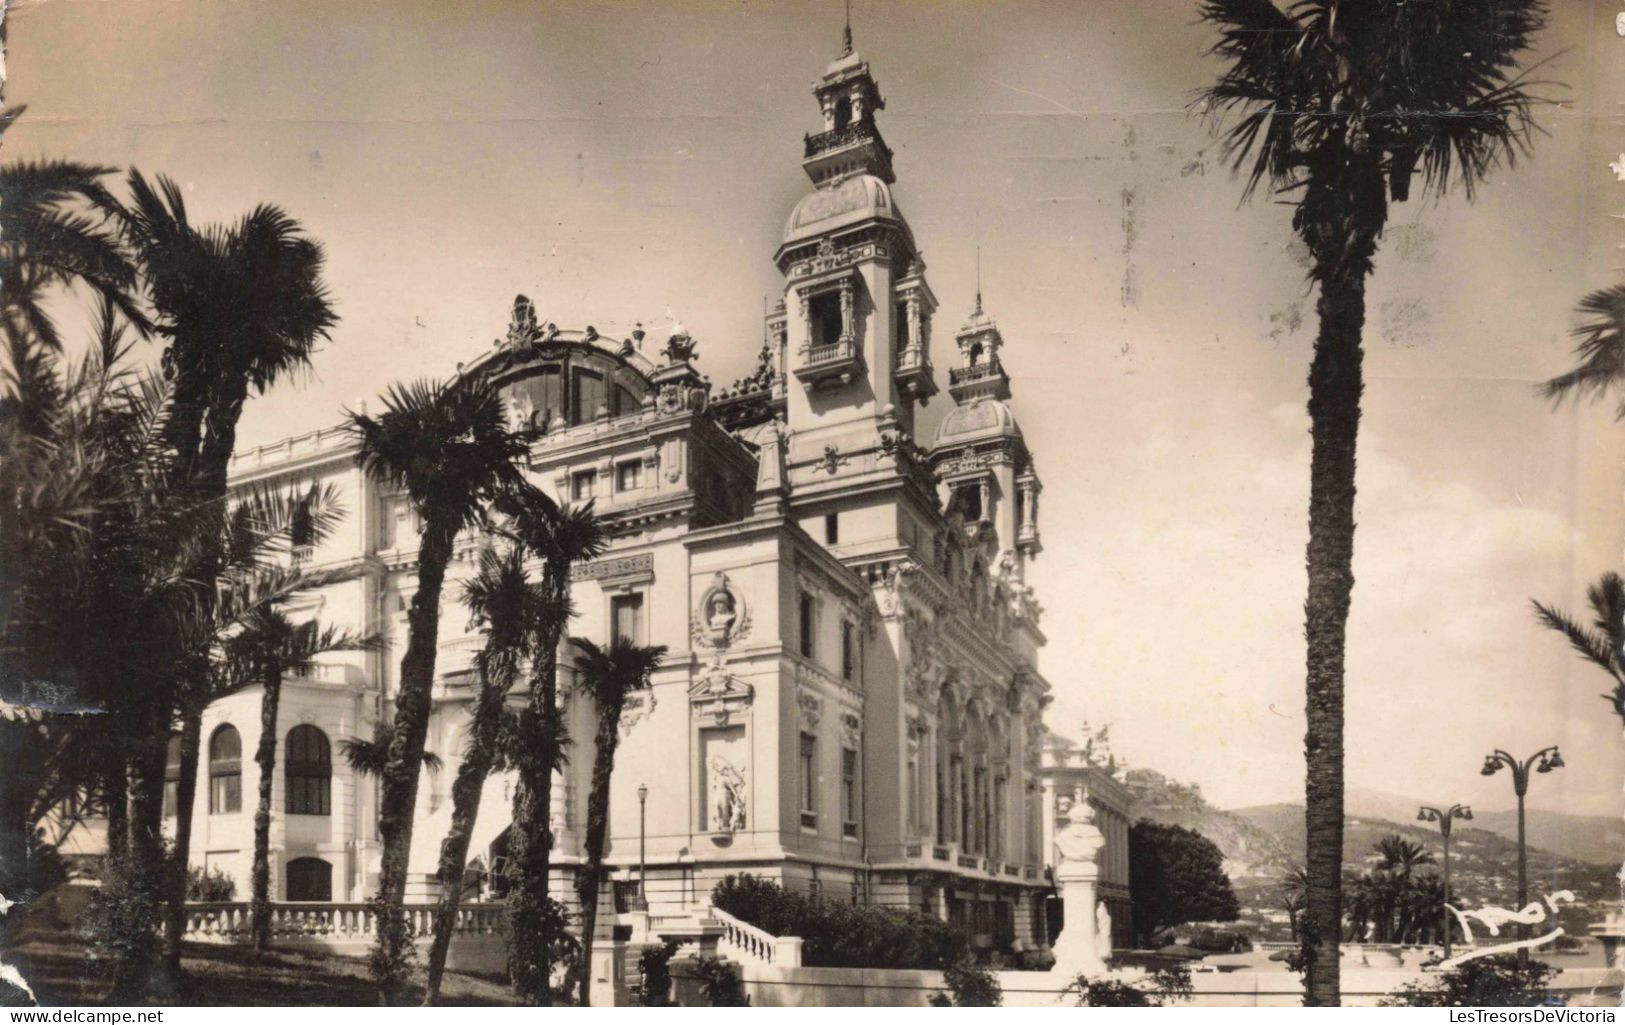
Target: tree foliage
[
  {"x": 1176, "y": 875},
  {"x": 1497, "y": 981}
]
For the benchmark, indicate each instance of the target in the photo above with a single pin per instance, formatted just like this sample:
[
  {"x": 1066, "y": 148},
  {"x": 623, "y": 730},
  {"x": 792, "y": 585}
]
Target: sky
[{"x": 625, "y": 163}]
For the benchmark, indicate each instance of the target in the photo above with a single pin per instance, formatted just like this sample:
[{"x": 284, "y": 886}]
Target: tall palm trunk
[
  {"x": 265, "y": 759},
  {"x": 405, "y": 760},
  {"x": 542, "y": 731},
  {"x": 146, "y": 859},
  {"x": 465, "y": 808},
  {"x": 116, "y": 795},
  {"x": 1335, "y": 385},
  {"x": 609, "y": 736},
  {"x": 533, "y": 825},
  {"x": 185, "y": 801}
]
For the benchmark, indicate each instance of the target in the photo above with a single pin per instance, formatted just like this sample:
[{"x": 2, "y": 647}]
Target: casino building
[{"x": 851, "y": 702}]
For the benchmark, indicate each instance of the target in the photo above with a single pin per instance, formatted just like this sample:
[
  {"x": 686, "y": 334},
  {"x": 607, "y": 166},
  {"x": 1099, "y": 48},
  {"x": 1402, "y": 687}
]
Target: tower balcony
[
  {"x": 829, "y": 366},
  {"x": 914, "y": 375},
  {"x": 985, "y": 378},
  {"x": 853, "y": 149}
]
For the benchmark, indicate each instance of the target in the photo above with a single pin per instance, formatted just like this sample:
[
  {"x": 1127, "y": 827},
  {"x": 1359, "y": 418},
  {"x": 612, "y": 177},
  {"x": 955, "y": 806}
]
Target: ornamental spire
[{"x": 846, "y": 35}]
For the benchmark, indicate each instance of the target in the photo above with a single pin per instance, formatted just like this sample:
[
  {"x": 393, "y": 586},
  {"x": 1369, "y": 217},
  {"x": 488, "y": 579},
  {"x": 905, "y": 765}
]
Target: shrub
[
  {"x": 212, "y": 886},
  {"x": 653, "y": 988},
  {"x": 720, "y": 983},
  {"x": 524, "y": 967},
  {"x": 1172, "y": 982},
  {"x": 392, "y": 971},
  {"x": 972, "y": 985},
  {"x": 119, "y": 916},
  {"x": 1498, "y": 981},
  {"x": 836, "y": 934}
]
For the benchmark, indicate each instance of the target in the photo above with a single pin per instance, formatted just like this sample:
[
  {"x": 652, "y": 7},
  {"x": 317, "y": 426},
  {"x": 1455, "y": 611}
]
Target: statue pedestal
[{"x": 1077, "y": 949}]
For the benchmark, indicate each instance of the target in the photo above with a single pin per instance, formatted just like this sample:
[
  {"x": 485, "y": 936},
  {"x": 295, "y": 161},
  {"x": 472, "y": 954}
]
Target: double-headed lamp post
[
  {"x": 643, "y": 870},
  {"x": 1444, "y": 816},
  {"x": 1544, "y": 760}
]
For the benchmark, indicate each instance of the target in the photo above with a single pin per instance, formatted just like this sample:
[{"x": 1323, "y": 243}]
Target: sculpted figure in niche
[
  {"x": 727, "y": 796},
  {"x": 721, "y": 613}
]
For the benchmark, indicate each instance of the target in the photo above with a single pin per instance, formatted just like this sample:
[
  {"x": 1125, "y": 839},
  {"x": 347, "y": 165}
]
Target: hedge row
[{"x": 839, "y": 935}]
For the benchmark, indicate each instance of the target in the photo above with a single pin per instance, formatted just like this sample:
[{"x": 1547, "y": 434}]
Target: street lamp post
[
  {"x": 1444, "y": 816},
  {"x": 643, "y": 869},
  {"x": 1544, "y": 760}
]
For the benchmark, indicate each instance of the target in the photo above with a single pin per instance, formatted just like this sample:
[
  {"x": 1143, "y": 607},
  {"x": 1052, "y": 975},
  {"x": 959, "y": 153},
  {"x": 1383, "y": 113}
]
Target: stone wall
[{"x": 850, "y": 987}]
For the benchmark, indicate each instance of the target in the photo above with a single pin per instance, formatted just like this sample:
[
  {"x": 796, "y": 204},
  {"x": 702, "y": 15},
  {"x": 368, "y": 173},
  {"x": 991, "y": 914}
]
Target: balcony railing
[
  {"x": 835, "y": 363},
  {"x": 228, "y": 921},
  {"x": 977, "y": 372},
  {"x": 836, "y": 138}
]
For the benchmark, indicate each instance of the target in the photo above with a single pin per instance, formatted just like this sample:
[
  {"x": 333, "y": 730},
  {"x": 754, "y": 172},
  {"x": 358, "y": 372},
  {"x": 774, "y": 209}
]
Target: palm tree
[
  {"x": 55, "y": 483},
  {"x": 562, "y": 537},
  {"x": 609, "y": 675},
  {"x": 502, "y": 600},
  {"x": 241, "y": 307},
  {"x": 269, "y": 647},
  {"x": 1603, "y": 645},
  {"x": 448, "y": 447},
  {"x": 1340, "y": 104}
]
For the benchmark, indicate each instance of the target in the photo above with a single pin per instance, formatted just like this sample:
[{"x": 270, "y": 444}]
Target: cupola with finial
[
  {"x": 850, "y": 142},
  {"x": 980, "y": 372}
]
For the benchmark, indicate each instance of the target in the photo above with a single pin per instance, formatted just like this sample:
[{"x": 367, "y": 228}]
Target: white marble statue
[
  {"x": 727, "y": 796},
  {"x": 1103, "y": 931}
]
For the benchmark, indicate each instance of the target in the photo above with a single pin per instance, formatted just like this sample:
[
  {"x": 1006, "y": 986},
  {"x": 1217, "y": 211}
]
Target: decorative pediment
[
  {"x": 851, "y": 729},
  {"x": 811, "y": 708},
  {"x": 718, "y": 696},
  {"x": 639, "y": 705}
]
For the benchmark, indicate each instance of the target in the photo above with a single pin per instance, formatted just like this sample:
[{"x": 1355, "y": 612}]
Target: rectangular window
[
  {"x": 807, "y": 623},
  {"x": 832, "y": 528},
  {"x": 225, "y": 794},
  {"x": 824, "y": 319},
  {"x": 849, "y": 653},
  {"x": 900, "y": 327},
  {"x": 809, "y": 780},
  {"x": 583, "y": 485},
  {"x": 626, "y": 617},
  {"x": 629, "y": 476},
  {"x": 589, "y": 400},
  {"x": 849, "y": 792}
]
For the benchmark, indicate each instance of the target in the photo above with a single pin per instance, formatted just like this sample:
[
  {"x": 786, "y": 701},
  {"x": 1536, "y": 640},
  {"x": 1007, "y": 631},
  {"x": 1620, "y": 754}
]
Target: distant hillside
[
  {"x": 1250, "y": 849},
  {"x": 1261, "y": 843},
  {"x": 1593, "y": 838}
]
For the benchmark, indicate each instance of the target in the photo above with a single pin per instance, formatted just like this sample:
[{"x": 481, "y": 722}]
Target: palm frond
[
  {"x": 1593, "y": 647},
  {"x": 1599, "y": 350},
  {"x": 369, "y": 757}
]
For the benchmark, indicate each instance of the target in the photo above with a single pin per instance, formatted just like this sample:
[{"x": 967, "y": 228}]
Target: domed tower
[
  {"x": 855, "y": 323},
  {"x": 980, "y": 457}
]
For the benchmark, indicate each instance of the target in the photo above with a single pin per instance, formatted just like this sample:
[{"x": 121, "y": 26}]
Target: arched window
[
  {"x": 309, "y": 879},
  {"x": 225, "y": 771},
  {"x": 309, "y": 773},
  {"x": 172, "y": 777}
]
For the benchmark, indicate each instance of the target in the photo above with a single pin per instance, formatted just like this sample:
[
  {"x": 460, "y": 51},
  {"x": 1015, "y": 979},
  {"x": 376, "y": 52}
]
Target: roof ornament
[
  {"x": 522, "y": 326},
  {"x": 846, "y": 35},
  {"x": 680, "y": 346},
  {"x": 978, "y": 278}
]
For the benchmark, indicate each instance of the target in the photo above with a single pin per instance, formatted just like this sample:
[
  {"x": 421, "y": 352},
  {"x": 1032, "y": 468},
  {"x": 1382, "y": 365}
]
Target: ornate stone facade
[{"x": 851, "y": 695}]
